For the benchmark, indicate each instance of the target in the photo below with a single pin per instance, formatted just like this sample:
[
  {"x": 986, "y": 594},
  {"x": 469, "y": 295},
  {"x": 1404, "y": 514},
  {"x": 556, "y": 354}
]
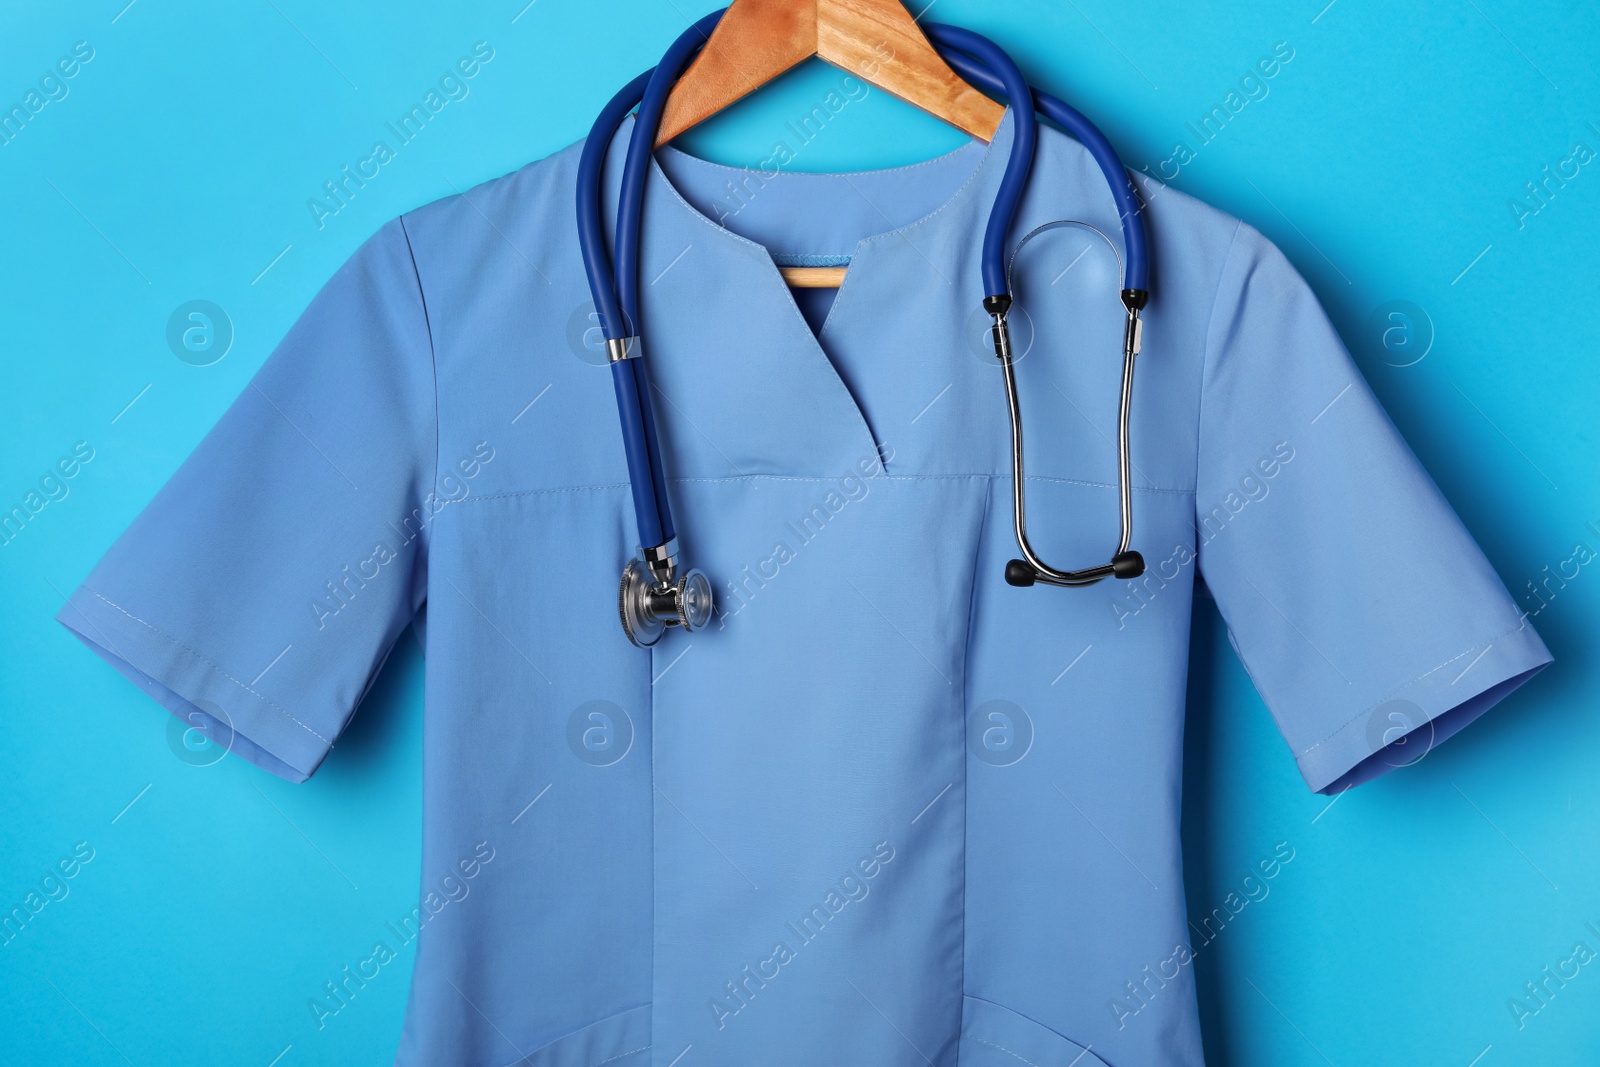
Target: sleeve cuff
[
  {"x": 1415, "y": 718},
  {"x": 196, "y": 690}
]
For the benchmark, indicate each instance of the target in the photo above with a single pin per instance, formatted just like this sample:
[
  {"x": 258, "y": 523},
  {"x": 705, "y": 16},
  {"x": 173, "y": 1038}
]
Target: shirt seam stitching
[
  {"x": 803, "y": 478},
  {"x": 1002, "y": 1048},
  {"x": 966, "y": 712},
  {"x": 620, "y": 1055},
  {"x": 215, "y": 667}
]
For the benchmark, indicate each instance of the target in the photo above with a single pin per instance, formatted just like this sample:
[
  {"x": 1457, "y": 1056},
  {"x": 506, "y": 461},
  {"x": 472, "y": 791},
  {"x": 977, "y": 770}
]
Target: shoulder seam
[
  {"x": 424, "y": 550},
  {"x": 1205, "y": 360},
  {"x": 433, "y": 352}
]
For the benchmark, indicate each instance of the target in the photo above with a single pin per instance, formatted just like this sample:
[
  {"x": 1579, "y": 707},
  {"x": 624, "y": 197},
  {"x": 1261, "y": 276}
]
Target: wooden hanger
[{"x": 876, "y": 40}]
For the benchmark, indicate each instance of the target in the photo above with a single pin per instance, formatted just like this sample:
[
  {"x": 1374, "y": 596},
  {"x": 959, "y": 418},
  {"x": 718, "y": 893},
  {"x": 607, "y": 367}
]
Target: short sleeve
[
  {"x": 1369, "y": 620},
  {"x": 258, "y": 595}
]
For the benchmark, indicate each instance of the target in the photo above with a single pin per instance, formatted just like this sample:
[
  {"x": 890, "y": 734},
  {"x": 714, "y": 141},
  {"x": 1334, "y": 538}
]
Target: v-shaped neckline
[{"x": 832, "y": 343}]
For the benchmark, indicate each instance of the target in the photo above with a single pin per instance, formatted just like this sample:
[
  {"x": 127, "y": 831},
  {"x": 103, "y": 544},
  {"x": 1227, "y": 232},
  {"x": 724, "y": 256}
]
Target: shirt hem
[
  {"x": 196, "y": 690},
  {"x": 1430, "y": 708}
]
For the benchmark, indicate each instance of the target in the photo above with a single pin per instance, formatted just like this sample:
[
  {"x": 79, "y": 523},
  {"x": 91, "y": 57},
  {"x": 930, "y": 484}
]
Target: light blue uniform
[{"x": 886, "y": 809}]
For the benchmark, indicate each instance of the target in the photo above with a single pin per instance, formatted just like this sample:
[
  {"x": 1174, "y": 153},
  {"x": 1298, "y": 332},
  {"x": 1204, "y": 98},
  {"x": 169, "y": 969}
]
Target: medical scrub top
[{"x": 885, "y": 809}]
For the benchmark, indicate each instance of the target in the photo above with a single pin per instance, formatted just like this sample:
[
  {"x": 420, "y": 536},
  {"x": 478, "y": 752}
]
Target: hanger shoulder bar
[
  {"x": 879, "y": 42},
  {"x": 756, "y": 41},
  {"x": 876, "y": 40},
  {"x": 812, "y": 277}
]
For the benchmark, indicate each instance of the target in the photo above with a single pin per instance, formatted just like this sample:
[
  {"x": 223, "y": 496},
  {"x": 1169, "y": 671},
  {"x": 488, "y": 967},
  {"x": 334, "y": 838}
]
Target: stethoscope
[{"x": 655, "y": 594}]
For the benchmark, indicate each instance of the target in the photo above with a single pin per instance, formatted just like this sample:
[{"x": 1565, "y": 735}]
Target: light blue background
[{"x": 1383, "y": 160}]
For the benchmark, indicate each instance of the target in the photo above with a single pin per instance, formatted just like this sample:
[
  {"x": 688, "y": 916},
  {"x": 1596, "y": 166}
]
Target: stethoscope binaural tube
[
  {"x": 645, "y": 471},
  {"x": 653, "y": 595},
  {"x": 988, "y": 67},
  {"x": 1124, "y": 564}
]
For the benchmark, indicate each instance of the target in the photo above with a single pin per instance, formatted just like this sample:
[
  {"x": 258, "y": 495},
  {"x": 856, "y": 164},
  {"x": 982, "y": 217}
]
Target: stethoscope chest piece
[{"x": 652, "y": 599}]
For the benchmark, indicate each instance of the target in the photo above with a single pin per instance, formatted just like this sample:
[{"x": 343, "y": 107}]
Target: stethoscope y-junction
[{"x": 656, "y": 593}]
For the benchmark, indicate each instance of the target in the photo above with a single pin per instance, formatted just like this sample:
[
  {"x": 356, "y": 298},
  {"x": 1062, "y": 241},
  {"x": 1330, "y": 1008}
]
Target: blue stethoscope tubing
[
  {"x": 616, "y": 298},
  {"x": 629, "y": 376},
  {"x": 614, "y": 284},
  {"x": 988, "y": 67}
]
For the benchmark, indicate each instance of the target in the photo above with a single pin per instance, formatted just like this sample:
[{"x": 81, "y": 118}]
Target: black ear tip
[
  {"x": 1127, "y": 564},
  {"x": 1019, "y": 573}
]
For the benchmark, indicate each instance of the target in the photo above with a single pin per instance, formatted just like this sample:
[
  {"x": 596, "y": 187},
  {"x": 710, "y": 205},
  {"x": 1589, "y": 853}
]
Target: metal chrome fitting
[
  {"x": 1133, "y": 336},
  {"x": 652, "y": 598},
  {"x": 621, "y": 348},
  {"x": 1001, "y": 334},
  {"x": 662, "y": 561}
]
